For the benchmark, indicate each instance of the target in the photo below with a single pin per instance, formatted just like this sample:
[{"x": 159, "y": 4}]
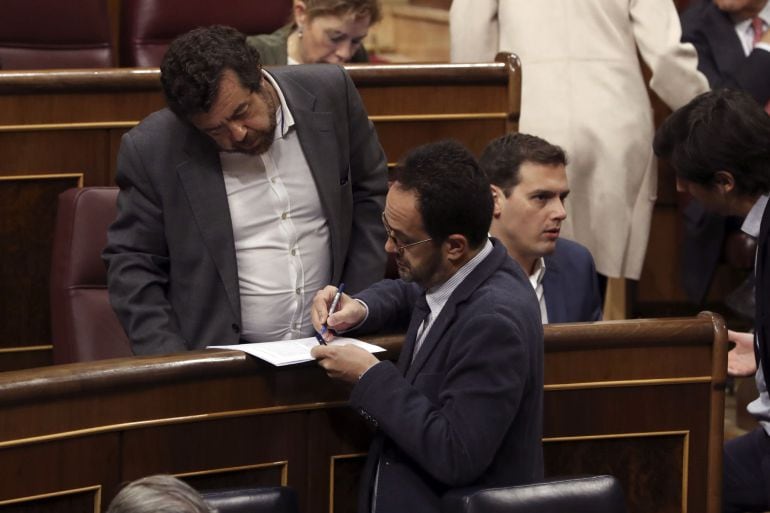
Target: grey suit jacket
[{"x": 172, "y": 272}]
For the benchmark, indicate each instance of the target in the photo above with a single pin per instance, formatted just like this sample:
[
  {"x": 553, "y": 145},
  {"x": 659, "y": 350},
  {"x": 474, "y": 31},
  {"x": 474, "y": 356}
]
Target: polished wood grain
[{"x": 642, "y": 400}]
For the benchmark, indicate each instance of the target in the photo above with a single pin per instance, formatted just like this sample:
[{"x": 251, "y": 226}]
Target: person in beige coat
[{"x": 583, "y": 89}]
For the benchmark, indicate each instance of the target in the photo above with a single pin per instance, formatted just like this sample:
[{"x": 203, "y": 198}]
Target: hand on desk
[
  {"x": 346, "y": 363},
  {"x": 740, "y": 359},
  {"x": 349, "y": 312}
]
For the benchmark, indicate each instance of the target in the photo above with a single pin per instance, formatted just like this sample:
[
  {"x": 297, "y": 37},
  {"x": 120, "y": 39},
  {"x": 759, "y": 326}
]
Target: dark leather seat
[
  {"x": 84, "y": 327},
  {"x": 278, "y": 499},
  {"x": 44, "y": 34},
  {"x": 148, "y": 26},
  {"x": 596, "y": 494}
]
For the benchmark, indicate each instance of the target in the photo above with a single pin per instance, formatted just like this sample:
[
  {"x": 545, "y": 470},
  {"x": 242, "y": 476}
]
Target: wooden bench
[
  {"x": 62, "y": 129},
  {"x": 642, "y": 400}
]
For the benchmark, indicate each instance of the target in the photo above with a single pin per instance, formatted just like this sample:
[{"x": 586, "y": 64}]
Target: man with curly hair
[{"x": 248, "y": 193}]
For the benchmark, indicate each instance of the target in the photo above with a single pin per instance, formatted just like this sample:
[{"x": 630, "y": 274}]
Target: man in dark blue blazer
[
  {"x": 719, "y": 146},
  {"x": 529, "y": 184},
  {"x": 722, "y": 34},
  {"x": 463, "y": 405}
]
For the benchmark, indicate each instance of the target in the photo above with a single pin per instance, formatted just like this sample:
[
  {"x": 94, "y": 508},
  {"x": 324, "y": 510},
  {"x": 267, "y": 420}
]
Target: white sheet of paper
[{"x": 289, "y": 352}]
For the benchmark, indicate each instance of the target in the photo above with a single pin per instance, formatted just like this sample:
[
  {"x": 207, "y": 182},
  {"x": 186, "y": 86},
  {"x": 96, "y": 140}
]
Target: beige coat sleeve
[
  {"x": 473, "y": 30},
  {"x": 674, "y": 65}
]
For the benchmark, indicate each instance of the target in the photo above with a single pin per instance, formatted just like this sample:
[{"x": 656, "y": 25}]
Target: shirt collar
[
  {"x": 283, "y": 118},
  {"x": 438, "y": 296},
  {"x": 753, "y": 221},
  {"x": 536, "y": 278}
]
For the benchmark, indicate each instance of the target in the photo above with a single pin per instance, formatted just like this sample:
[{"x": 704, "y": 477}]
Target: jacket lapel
[
  {"x": 727, "y": 48},
  {"x": 555, "y": 299},
  {"x": 447, "y": 316},
  {"x": 203, "y": 183},
  {"x": 760, "y": 294}
]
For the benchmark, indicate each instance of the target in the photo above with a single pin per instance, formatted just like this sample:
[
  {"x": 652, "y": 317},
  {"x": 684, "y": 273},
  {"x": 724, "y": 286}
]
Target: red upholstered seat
[
  {"x": 84, "y": 327},
  {"x": 42, "y": 34},
  {"x": 148, "y": 26}
]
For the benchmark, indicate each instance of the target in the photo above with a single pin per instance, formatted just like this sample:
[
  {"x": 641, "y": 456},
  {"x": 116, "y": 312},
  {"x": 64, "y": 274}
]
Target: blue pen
[{"x": 333, "y": 307}]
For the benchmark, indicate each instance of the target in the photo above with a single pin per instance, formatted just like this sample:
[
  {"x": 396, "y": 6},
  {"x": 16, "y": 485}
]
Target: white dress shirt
[{"x": 282, "y": 241}]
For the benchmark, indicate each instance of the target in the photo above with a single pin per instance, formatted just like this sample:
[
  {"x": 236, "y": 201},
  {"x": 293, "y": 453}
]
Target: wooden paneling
[
  {"x": 642, "y": 400},
  {"x": 26, "y": 229},
  {"x": 87, "y": 500},
  {"x": 71, "y": 122},
  {"x": 650, "y": 465}
]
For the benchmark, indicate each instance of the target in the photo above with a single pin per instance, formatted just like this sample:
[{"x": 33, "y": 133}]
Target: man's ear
[
  {"x": 497, "y": 200},
  {"x": 456, "y": 246},
  {"x": 724, "y": 181}
]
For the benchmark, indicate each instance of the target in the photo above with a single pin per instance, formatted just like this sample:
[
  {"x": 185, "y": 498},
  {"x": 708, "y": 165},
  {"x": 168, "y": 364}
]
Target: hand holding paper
[
  {"x": 346, "y": 363},
  {"x": 289, "y": 352}
]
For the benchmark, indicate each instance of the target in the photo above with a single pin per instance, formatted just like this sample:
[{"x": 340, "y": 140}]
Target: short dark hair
[
  {"x": 453, "y": 194},
  {"x": 722, "y": 130},
  {"x": 194, "y": 63},
  {"x": 503, "y": 157}
]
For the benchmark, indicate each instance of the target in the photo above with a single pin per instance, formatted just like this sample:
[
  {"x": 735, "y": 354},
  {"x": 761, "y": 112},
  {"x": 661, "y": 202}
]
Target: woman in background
[{"x": 330, "y": 31}]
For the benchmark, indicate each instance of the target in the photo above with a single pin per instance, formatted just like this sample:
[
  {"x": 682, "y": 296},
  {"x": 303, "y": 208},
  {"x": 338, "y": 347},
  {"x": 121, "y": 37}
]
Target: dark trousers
[{"x": 747, "y": 473}]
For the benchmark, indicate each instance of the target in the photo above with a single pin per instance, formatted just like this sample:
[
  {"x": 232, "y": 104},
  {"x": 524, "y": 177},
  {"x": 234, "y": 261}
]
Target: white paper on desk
[{"x": 289, "y": 352}]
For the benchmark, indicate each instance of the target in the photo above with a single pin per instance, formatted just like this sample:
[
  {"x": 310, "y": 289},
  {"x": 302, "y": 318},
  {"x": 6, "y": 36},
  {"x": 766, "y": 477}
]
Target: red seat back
[
  {"x": 84, "y": 326},
  {"x": 148, "y": 26}
]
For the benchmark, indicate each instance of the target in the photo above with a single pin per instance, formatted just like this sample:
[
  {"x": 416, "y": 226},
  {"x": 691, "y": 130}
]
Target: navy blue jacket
[
  {"x": 570, "y": 285},
  {"x": 720, "y": 53},
  {"x": 469, "y": 410}
]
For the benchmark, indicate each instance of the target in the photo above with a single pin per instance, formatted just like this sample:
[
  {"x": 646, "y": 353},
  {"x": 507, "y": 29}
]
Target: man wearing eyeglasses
[{"x": 463, "y": 405}]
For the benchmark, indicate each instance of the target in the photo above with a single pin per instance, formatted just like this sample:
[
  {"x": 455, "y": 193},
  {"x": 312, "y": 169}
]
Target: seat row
[{"x": 47, "y": 34}]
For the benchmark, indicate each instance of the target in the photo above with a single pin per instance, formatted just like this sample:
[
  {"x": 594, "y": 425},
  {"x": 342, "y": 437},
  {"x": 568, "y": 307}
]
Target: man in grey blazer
[
  {"x": 529, "y": 185},
  {"x": 244, "y": 196}
]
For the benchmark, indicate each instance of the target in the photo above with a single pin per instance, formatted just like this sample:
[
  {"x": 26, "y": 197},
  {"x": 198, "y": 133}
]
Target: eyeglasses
[{"x": 400, "y": 247}]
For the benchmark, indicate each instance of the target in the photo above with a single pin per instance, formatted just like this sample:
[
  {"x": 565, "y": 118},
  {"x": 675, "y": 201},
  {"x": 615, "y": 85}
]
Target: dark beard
[{"x": 263, "y": 140}]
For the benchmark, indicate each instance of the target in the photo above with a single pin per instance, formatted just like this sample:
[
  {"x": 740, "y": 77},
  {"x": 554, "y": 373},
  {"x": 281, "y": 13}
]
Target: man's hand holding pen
[
  {"x": 348, "y": 313},
  {"x": 347, "y": 363}
]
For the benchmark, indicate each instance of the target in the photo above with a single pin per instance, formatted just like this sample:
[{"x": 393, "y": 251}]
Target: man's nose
[
  {"x": 680, "y": 185},
  {"x": 560, "y": 210},
  {"x": 390, "y": 246},
  {"x": 237, "y": 131}
]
